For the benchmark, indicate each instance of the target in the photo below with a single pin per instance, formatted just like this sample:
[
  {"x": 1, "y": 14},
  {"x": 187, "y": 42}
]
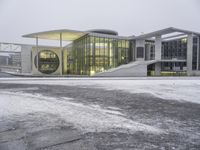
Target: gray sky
[{"x": 128, "y": 17}]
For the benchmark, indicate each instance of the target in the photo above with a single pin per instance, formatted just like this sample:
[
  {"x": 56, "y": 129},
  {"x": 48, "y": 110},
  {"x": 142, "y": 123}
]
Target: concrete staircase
[{"x": 133, "y": 69}]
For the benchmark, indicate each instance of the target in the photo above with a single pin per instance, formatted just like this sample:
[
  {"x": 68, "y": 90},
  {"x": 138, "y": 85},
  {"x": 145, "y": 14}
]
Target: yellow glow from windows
[
  {"x": 184, "y": 40},
  {"x": 46, "y": 55},
  {"x": 43, "y": 55},
  {"x": 101, "y": 44},
  {"x": 102, "y": 69},
  {"x": 67, "y": 35},
  {"x": 92, "y": 72}
]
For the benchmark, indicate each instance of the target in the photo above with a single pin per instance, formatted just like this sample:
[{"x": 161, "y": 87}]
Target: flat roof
[
  {"x": 67, "y": 35},
  {"x": 104, "y": 31},
  {"x": 71, "y": 35},
  {"x": 109, "y": 36},
  {"x": 165, "y": 31}
]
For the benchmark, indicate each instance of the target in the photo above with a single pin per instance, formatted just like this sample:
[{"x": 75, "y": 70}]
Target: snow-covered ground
[
  {"x": 185, "y": 88},
  {"x": 110, "y": 113},
  {"x": 88, "y": 118}
]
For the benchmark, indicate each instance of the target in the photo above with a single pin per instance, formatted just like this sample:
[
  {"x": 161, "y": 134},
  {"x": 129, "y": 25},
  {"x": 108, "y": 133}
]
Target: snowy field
[
  {"x": 99, "y": 113},
  {"x": 185, "y": 88}
]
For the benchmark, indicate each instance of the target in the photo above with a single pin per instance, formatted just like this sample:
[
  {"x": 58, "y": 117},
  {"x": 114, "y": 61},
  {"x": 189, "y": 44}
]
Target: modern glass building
[
  {"x": 169, "y": 51},
  {"x": 92, "y": 52},
  {"x": 95, "y": 53}
]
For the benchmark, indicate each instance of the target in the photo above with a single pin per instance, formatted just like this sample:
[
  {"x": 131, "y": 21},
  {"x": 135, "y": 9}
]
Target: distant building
[
  {"x": 10, "y": 57},
  {"x": 4, "y": 59}
]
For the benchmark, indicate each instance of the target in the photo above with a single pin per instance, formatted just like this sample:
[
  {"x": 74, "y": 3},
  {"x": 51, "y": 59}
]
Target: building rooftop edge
[{"x": 71, "y": 35}]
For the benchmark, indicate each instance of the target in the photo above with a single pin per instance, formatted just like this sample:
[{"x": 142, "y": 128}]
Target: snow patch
[
  {"x": 181, "y": 89},
  {"x": 88, "y": 118}
]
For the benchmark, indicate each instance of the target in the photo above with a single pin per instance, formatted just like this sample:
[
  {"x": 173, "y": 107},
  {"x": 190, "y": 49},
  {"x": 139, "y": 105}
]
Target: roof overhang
[
  {"x": 166, "y": 31},
  {"x": 64, "y": 35}
]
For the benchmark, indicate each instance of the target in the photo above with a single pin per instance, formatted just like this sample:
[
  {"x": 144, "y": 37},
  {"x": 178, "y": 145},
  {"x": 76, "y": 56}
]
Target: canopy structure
[
  {"x": 64, "y": 35},
  {"x": 60, "y": 35},
  {"x": 166, "y": 31}
]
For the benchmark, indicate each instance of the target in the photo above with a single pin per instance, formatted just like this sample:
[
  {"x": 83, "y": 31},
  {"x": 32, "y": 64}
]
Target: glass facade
[
  {"x": 173, "y": 66},
  {"x": 174, "y": 49},
  {"x": 174, "y": 56},
  {"x": 92, "y": 54},
  {"x": 194, "y": 53}
]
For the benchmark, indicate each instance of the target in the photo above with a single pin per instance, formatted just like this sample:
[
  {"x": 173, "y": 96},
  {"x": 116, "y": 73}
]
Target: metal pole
[
  {"x": 61, "y": 56},
  {"x": 61, "y": 40},
  {"x": 37, "y": 54}
]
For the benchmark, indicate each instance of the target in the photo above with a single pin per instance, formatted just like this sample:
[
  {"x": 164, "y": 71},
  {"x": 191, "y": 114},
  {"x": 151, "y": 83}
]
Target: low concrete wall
[{"x": 194, "y": 73}]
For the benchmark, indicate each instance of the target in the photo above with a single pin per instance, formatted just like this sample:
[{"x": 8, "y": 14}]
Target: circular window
[{"x": 48, "y": 61}]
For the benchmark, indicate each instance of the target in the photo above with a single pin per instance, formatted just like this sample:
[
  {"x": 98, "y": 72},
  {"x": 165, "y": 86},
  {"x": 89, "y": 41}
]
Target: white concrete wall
[
  {"x": 26, "y": 58},
  {"x": 157, "y": 69},
  {"x": 189, "y": 54},
  {"x": 133, "y": 51},
  {"x": 158, "y": 47},
  {"x": 147, "y": 52}
]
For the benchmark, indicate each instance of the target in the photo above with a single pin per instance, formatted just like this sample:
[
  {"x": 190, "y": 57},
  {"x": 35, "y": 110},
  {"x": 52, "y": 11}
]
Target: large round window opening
[{"x": 48, "y": 62}]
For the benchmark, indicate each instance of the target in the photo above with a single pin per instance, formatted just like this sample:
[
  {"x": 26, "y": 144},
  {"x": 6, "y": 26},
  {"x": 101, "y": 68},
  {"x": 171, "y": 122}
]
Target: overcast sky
[{"x": 128, "y": 17}]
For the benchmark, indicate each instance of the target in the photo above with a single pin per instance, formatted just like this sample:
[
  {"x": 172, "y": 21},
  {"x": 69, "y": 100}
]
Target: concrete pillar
[
  {"x": 158, "y": 47},
  {"x": 189, "y": 54},
  {"x": 26, "y": 58},
  {"x": 157, "y": 69},
  {"x": 133, "y": 50},
  {"x": 140, "y": 43},
  {"x": 147, "y": 52}
]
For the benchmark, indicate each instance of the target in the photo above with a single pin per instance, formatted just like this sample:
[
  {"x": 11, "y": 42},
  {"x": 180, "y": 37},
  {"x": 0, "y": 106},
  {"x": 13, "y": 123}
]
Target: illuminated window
[
  {"x": 48, "y": 62},
  {"x": 184, "y": 40}
]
